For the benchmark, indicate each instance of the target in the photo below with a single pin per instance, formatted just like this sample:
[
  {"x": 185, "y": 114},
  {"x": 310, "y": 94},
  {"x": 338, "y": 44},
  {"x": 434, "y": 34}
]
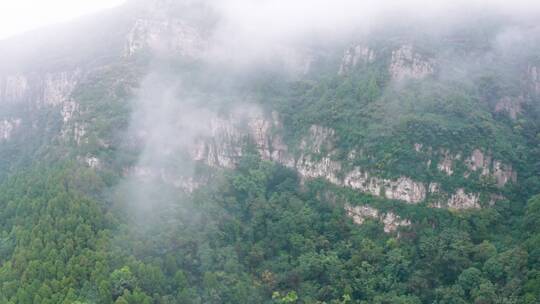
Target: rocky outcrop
[
  {"x": 447, "y": 162},
  {"x": 49, "y": 89},
  {"x": 406, "y": 63},
  {"x": 462, "y": 200},
  {"x": 164, "y": 36},
  {"x": 390, "y": 220},
  {"x": 503, "y": 173},
  {"x": 69, "y": 109},
  {"x": 510, "y": 106},
  {"x": 459, "y": 200},
  {"x": 326, "y": 168},
  {"x": 224, "y": 144},
  {"x": 533, "y": 77},
  {"x": 269, "y": 143},
  {"x": 13, "y": 89},
  {"x": 316, "y": 157},
  {"x": 7, "y": 126},
  {"x": 404, "y": 189},
  {"x": 478, "y": 161},
  {"x": 90, "y": 161},
  {"x": 354, "y": 56},
  {"x": 223, "y": 148}
]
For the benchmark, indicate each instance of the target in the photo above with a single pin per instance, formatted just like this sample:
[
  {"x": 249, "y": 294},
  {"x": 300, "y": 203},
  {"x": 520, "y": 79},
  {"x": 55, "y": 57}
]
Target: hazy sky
[{"x": 18, "y": 16}]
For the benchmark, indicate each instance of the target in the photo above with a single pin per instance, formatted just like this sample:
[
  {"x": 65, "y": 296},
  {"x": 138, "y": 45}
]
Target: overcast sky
[{"x": 19, "y": 16}]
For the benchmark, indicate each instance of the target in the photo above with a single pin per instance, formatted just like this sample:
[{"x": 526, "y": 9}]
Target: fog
[
  {"x": 174, "y": 109},
  {"x": 20, "y": 16}
]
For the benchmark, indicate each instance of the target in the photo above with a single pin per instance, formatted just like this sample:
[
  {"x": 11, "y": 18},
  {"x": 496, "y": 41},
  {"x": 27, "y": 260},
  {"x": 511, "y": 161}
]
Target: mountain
[{"x": 197, "y": 152}]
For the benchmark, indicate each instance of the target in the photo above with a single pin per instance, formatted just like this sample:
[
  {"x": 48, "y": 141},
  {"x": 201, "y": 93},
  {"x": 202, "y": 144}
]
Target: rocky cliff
[{"x": 316, "y": 157}]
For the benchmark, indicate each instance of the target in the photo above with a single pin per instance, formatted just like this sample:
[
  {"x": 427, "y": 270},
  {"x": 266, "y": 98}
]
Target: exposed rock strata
[
  {"x": 533, "y": 75},
  {"x": 164, "y": 36},
  {"x": 510, "y": 106},
  {"x": 49, "y": 89},
  {"x": 390, "y": 220},
  {"x": 355, "y": 56},
  {"x": 406, "y": 63}
]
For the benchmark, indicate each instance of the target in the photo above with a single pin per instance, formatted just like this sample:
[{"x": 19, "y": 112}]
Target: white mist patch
[{"x": 168, "y": 125}]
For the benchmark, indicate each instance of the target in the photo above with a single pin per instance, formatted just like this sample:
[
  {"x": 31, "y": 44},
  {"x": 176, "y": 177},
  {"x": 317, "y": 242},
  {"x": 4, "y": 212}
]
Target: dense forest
[{"x": 254, "y": 237}]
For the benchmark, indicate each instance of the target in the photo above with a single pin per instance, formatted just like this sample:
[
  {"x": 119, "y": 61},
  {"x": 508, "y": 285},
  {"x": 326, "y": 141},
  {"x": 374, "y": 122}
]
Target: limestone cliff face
[
  {"x": 39, "y": 89},
  {"x": 479, "y": 161},
  {"x": 224, "y": 144},
  {"x": 355, "y": 56},
  {"x": 463, "y": 200},
  {"x": 173, "y": 37},
  {"x": 510, "y": 106},
  {"x": 404, "y": 188},
  {"x": 316, "y": 157},
  {"x": 407, "y": 63},
  {"x": 223, "y": 148},
  {"x": 533, "y": 77},
  {"x": 447, "y": 162},
  {"x": 390, "y": 220}
]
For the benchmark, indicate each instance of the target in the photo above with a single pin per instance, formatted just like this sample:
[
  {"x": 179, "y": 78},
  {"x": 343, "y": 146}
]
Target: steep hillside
[{"x": 171, "y": 155}]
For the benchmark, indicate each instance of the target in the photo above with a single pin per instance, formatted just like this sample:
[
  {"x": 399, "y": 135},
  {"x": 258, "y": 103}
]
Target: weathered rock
[
  {"x": 48, "y": 89},
  {"x": 13, "y": 89},
  {"x": 92, "y": 162},
  {"x": 533, "y": 73},
  {"x": 324, "y": 168},
  {"x": 390, "y": 220},
  {"x": 503, "y": 173},
  {"x": 479, "y": 161},
  {"x": 405, "y": 189},
  {"x": 359, "y": 214},
  {"x": 319, "y": 139},
  {"x": 434, "y": 188},
  {"x": 69, "y": 109},
  {"x": 166, "y": 36},
  {"x": 359, "y": 180},
  {"x": 223, "y": 148},
  {"x": 511, "y": 106},
  {"x": 355, "y": 56},
  {"x": 445, "y": 165},
  {"x": 7, "y": 126},
  {"x": 406, "y": 63},
  {"x": 461, "y": 200}
]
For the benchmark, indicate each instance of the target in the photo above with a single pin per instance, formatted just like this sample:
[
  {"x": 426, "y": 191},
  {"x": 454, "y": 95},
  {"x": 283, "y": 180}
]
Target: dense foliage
[{"x": 253, "y": 237}]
